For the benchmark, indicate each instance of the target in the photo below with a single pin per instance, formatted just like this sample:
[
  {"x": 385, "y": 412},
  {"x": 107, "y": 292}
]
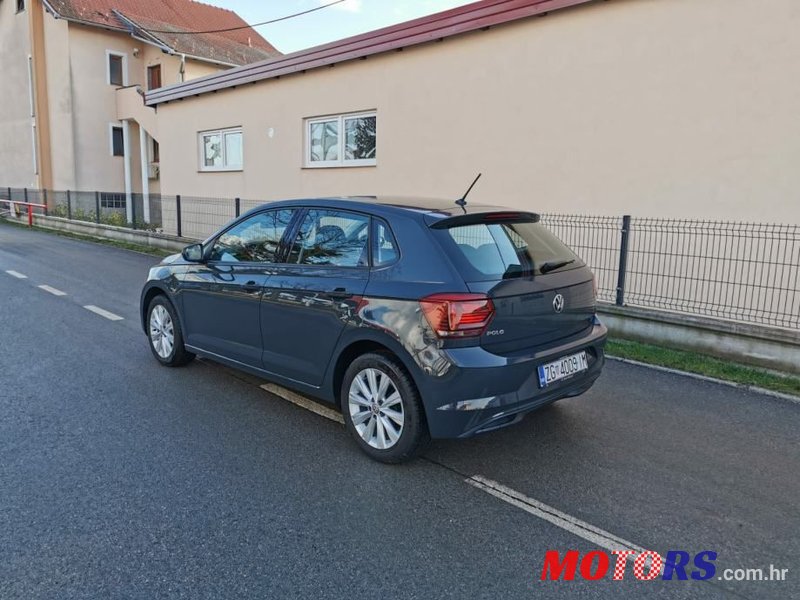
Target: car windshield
[{"x": 489, "y": 251}]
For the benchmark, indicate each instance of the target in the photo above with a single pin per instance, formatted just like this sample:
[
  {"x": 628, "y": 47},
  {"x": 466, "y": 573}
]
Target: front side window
[
  {"x": 116, "y": 69},
  {"x": 332, "y": 238},
  {"x": 342, "y": 141},
  {"x": 221, "y": 150},
  {"x": 256, "y": 239}
]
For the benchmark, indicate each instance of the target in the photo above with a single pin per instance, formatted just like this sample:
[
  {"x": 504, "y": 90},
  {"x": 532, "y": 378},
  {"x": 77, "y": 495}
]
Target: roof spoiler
[{"x": 501, "y": 216}]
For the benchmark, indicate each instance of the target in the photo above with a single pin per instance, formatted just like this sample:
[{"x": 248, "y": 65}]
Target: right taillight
[{"x": 457, "y": 315}]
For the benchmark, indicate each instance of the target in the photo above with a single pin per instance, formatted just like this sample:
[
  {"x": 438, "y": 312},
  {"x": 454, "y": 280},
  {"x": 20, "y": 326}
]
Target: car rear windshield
[{"x": 490, "y": 251}]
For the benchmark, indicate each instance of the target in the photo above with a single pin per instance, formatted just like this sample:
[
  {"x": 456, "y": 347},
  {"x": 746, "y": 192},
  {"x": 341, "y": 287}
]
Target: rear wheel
[
  {"x": 382, "y": 409},
  {"x": 165, "y": 335}
]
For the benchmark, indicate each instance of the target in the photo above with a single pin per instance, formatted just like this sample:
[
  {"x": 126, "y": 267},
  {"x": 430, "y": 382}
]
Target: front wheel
[
  {"x": 382, "y": 409},
  {"x": 165, "y": 335}
]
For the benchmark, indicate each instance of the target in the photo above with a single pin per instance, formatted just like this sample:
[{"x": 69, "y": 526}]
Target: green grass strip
[{"x": 702, "y": 364}]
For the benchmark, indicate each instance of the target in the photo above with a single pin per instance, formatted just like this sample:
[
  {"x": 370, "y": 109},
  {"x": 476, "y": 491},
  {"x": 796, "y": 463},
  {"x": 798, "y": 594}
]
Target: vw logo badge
[{"x": 558, "y": 303}]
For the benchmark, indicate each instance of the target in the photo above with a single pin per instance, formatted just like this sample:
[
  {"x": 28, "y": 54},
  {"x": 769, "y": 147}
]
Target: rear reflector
[{"x": 457, "y": 315}]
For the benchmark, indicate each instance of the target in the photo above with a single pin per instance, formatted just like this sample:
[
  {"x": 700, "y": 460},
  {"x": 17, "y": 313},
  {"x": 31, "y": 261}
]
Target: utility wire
[{"x": 305, "y": 12}]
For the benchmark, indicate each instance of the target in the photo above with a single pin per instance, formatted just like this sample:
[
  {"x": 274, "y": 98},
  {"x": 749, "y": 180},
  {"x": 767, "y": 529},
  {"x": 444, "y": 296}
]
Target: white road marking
[
  {"x": 741, "y": 386},
  {"x": 51, "y": 290},
  {"x": 103, "y": 313},
  {"x": 303, "y": 402},
  {"x": 17, "y": 274},
  {"x": 573, "y": 525}
]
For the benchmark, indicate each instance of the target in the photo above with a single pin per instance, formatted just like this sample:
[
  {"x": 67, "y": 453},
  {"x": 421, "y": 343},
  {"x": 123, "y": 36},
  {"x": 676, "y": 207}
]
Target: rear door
[
  {"x": 309, "y": 298},
  {"x": 542, "y": 292}
]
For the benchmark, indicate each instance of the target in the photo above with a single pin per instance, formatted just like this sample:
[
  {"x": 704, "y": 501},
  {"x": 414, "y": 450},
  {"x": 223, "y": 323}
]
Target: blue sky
[{"x": 351, "y": 17}]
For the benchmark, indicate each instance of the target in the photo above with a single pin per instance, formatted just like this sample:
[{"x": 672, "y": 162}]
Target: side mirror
[{"x": 193, "y": 253}]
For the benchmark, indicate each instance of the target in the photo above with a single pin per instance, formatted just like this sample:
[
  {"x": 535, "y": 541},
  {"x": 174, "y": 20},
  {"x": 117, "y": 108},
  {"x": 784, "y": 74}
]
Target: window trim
[
  {"x": 111, "y": 127},
  {"x": 201, "y": 158},
  {"x": 341, "y": 162},
  {"x": 124, "y": 57}
]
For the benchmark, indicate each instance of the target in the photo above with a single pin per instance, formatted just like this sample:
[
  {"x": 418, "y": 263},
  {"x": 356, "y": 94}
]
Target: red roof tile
[{"x": 241, "y": 46}]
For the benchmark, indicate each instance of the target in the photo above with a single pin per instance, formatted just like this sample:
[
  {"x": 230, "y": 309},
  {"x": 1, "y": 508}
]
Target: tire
[
  {"x": 387, "y": 428},
  {"x": 162, "y": 322}
]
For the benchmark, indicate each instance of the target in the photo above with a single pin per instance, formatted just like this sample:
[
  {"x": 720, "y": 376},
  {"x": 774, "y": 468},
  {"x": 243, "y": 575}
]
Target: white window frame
[
  {"x": 124, "y": 57},
  {"x": 341, "y": 162},
  {"x": 111, "y": 126},
  {"x": 202, "y": 167}
]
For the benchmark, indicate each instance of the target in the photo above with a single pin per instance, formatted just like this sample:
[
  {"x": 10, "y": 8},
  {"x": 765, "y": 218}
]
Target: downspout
[
  {"x": 183, "y": 68},
  {"x": 41, "y": 109}
]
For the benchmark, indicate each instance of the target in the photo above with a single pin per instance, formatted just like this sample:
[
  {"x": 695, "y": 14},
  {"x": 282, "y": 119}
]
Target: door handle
[{"x": 251, "y": 286}]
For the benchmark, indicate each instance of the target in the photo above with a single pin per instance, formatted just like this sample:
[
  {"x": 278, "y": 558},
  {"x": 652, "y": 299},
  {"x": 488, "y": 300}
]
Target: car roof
[{"x": 388, "y": 204}]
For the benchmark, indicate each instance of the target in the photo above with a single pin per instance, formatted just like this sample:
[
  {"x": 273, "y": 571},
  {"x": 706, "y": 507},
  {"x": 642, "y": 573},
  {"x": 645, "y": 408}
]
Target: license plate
[{"x": 562, "y": 368}]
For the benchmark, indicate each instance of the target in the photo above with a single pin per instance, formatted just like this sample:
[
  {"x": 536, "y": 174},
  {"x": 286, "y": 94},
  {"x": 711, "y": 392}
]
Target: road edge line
[
  {"x": 698, "y": 376},
  {"x": 302, "y": 402}
]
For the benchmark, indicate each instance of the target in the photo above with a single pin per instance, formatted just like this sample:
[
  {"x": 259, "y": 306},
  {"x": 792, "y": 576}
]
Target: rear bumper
[{"x": 483, "y": 391}]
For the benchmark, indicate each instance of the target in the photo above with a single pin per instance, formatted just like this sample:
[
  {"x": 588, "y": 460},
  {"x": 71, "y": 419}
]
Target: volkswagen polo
[{"x": 416, "y": 318}]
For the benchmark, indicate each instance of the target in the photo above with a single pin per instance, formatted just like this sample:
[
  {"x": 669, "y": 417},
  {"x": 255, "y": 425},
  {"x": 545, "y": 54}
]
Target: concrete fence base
[
  {"x": 755, "y": 345},
  {"x": 122, "y": 234}
]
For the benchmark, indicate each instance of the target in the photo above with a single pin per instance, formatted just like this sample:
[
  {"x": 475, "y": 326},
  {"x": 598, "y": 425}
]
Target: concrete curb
[
  {"x": 741, "y": 386},
  {"x": 110, "y": 232}
]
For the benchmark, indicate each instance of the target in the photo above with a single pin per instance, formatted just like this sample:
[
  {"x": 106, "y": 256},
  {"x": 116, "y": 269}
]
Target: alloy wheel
[
  {"x": 376, "y": 408},
  {"x": 162, "y": 333}
]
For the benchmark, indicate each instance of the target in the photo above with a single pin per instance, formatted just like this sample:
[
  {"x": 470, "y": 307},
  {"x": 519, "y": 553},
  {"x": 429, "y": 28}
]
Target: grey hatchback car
[{"x": 416, "y": 318}]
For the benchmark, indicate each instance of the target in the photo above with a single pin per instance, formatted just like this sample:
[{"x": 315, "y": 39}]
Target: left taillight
[{"x": 457, "y": 315}]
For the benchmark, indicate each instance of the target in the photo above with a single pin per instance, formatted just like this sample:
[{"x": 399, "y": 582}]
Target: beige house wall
[
  {"x": 16, "y": 132},
  {"x": 671, "y": 108},
  {"x": 80, "y": 103}
]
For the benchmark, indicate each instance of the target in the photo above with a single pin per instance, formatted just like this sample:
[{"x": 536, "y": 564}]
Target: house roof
[
  {"x": 166, "y": 22},
  {"x": 471, "y": 17}
]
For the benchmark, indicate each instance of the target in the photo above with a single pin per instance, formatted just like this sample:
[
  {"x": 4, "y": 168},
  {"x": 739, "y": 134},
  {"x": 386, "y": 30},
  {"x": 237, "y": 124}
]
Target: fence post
[
  {"x": 69, "y": 206},
  {"x": 25, "y": 194},
  {"x": 97, "y": 207},
  {"x": 623, "y": 259},
  {"x": 178, "y": 210},
  {"x": 133, "y": 211},
  {"x": 44, "y": 200},
  {"x": 238, "y": 206}
]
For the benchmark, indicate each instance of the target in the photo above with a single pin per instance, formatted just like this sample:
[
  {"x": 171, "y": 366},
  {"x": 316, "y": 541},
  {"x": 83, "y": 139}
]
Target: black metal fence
[{"x": 744, "y": 272}]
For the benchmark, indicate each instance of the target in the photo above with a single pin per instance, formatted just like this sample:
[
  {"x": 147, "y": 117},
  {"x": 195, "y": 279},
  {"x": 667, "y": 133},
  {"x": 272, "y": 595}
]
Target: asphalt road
[{"x": 123, "y": 479}]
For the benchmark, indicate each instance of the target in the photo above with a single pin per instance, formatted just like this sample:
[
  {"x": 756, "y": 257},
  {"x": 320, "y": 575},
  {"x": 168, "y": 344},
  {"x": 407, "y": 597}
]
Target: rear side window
[
  {"x": 256, "y": 239},
  {"x": 332, "y": 237},
  {"x": 489, "y": 251},
  {"x": 384, "y": 246}
]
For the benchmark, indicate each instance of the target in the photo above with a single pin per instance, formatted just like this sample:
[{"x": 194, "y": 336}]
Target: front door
[
  {"x": 220, "y": 298},
  {"x": 309, "y": 299}
]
